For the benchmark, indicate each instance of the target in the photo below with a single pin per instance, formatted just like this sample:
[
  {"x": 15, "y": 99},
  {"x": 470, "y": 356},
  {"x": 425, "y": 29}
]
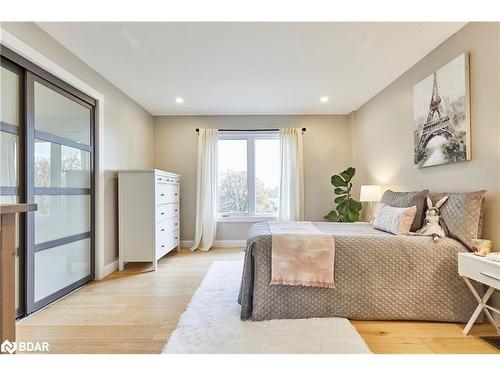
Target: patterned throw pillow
[
  {"x": 394, "y": 219},
  {"x": 408, "y": 199}
]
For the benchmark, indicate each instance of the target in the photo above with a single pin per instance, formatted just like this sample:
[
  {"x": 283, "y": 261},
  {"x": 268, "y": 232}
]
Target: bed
[{"x": 378, "y": 276}]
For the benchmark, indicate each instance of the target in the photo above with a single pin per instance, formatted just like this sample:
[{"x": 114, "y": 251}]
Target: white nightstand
[{"x": 485, "y": 271}]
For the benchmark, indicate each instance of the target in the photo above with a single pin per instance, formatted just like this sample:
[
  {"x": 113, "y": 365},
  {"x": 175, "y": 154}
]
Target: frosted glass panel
[
  {"x": 61, "y": 216},
  {"x": 61, "y": 266},
  {"x": 8, "y": 199},
  {"x": 56, "y": 114},
  {"x": 9, "y": 97},
  {"x": 61, "y": 166},
  {"x": 9, "y": 156}
]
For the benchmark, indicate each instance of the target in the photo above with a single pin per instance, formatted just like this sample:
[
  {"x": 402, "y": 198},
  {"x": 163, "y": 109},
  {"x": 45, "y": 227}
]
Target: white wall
[
  {"x": 382, "y": 129},
  {"x": 127, "y": 128},
  {"x": 326, "y": 151}
]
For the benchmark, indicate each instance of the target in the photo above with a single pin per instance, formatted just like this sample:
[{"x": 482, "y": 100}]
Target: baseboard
[
  {"x": 186, "y": 243},
  {"x": 109, "y": 269},
  {"x": 219, "y": 243},
  {"x": 230, "y": 243}
]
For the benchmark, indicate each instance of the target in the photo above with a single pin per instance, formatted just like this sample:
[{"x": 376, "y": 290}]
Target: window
[
  {"x": 249, "y": 175},
  {"x": 233, "y": 177}
]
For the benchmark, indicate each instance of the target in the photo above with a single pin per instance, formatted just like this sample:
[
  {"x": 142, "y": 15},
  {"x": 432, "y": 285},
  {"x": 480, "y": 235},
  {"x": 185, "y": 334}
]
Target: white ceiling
[{"x": 251, "y": 68}]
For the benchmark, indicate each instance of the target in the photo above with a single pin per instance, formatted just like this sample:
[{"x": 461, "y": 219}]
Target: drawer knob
[
  {"x": 175, "y": 194},
  {"x": 176, "y": 223},
  {"x": 163, "y": 230},
  {"x": 176, "y": 210},
  {"x": 162, "y": 213},
  {"x": 162, "y": 246},
  {"x": 175, "y": 237},
  {"x": 162, "y": 194}
]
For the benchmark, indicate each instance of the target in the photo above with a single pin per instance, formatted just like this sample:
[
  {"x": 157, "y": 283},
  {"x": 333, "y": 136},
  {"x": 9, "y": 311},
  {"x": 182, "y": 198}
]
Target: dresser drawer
[
  {"x": 167, "y": 193},
  {"x": 168, "y": 225},
  {"x": 479, "y": 269},
  {"x": 166, "y": 242},
  {"x": 166, "y": 211},
  {"x": 163, "y": 179}
]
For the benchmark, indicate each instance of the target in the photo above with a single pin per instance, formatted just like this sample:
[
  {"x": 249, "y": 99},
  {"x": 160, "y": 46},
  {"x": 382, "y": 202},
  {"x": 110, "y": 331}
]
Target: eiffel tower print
[
  {"x": 438, "y": 122},
  {"x": 441, "y": 116}
]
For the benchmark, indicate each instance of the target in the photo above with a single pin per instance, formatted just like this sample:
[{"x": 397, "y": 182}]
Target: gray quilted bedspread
[{"x": 378, "y": 276}]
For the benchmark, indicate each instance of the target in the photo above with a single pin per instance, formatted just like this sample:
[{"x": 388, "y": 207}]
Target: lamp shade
[{"x": 370, "y": 193}]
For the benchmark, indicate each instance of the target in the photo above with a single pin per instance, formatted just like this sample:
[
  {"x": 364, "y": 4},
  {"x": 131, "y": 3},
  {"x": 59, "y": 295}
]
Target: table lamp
[{"x": 370, "y": 193}]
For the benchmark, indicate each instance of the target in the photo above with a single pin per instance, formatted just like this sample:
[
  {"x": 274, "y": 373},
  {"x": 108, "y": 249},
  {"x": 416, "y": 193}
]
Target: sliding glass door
[
  {"x": 47, "y": 157},
  {"x": 11, "y": 158},
  {"x": 60, "y": 141}
]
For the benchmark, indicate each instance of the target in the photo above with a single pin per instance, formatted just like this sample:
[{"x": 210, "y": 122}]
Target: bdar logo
[
  {"x": 8, "y": 347},
  {"x": 24, "y": 346}
]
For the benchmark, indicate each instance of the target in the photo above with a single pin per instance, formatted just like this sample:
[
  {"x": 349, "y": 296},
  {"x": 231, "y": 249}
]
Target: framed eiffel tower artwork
[{"x": 441, "y": 114}]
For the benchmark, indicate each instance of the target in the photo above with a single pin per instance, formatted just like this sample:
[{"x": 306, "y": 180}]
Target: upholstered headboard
[{"x": 463, "y": 214}]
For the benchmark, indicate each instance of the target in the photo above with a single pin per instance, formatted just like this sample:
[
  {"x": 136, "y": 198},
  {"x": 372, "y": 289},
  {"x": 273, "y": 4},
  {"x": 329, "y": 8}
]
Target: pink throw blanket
[{"x": 301, "y": 255}]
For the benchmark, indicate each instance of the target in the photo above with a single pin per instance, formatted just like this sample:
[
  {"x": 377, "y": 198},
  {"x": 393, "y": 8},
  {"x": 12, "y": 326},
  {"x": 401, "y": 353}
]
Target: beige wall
[
  {"x": 326, "y": 151},
  {"x": 383, "y": 128},
  {"x": 127, "y": 128}
]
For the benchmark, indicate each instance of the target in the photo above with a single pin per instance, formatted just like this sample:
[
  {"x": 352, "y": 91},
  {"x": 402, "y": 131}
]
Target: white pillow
[{"x": 394, "y": 219}]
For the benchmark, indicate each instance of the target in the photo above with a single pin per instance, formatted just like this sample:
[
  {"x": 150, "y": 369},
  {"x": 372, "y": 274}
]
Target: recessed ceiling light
[
  {"x": 324, "y": 99},
  {"x": 179, "y": 100}
]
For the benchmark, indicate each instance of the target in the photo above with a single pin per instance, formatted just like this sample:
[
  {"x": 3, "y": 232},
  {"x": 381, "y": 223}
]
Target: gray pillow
[
  {"x": 407, "y": 199},
  {"x": 462, "y": 214}
]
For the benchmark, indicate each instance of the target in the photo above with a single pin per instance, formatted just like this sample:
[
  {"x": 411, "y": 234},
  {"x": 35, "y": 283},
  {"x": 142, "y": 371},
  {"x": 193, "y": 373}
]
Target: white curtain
[
  {"x": 206, "y": 190},
  {"x": 291, "y": 206}
]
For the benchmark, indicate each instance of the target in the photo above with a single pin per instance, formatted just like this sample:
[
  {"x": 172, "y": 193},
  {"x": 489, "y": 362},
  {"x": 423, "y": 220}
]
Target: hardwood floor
[{"x": 134, "y": 311}]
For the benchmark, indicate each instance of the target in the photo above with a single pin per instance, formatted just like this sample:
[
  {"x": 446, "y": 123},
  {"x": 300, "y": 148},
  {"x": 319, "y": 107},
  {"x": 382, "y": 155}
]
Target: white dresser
[{"x": 149, "y": 224}]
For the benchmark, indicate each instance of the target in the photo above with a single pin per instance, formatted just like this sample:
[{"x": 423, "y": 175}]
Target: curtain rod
[{"x": 249, "y": 130}]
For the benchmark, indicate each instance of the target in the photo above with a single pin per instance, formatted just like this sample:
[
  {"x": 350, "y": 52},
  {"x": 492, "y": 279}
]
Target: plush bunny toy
[{"x": 434, "y": 225}]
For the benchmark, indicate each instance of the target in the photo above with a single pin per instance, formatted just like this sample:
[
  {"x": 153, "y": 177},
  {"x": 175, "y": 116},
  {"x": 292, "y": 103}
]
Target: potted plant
[{"x": 347, "y": 209}]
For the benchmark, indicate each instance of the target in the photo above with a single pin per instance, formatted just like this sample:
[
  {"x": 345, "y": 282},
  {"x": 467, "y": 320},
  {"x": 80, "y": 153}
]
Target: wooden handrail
[
  {"x": 17, "y": 208},
  {"x": 7, "y": 267}
]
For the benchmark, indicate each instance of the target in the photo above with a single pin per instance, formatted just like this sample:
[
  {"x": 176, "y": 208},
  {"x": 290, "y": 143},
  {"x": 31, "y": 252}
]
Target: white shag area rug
[{"x": 211, "y": 324}]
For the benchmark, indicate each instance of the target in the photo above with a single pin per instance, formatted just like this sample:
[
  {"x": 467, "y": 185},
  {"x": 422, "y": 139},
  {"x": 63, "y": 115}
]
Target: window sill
[{"x": 246, "y": 219}]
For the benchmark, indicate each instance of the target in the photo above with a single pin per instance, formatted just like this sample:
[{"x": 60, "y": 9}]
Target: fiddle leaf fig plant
[{"x": 347, "y": 209}]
